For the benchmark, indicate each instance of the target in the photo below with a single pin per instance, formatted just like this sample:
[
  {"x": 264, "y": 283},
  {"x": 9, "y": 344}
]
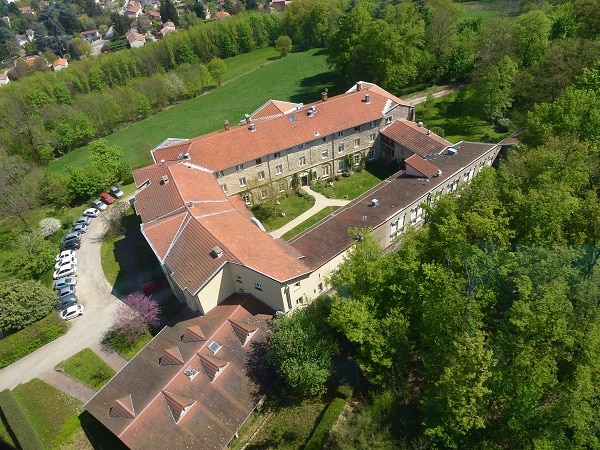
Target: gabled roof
[
  {"x": 193, "y": 334},
  {"x": 242, "y": 330},
  {"x": 417, "y": 166},
  {"x": 173, "y": 411},
  {"x": 172, "y": 356},
  {"x": 122, "y": 407},
  {"x": 416, "y": 138},
  {"x": 274, "y": 108},
  {"x": 213, "y": 366},
  {"x": 284, "y": 131}
]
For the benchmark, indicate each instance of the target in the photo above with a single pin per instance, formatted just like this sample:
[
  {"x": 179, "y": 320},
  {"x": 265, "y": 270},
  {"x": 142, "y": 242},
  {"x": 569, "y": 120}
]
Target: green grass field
[
  {"x": 299, "y": 77},
  {"x": 292, "y": 206},
  {"x": 88, "y": 368},
  {"x": 52, "y": 412},
  {"x": 309, "y": 222},
  {"x": 491, "y": 9}
]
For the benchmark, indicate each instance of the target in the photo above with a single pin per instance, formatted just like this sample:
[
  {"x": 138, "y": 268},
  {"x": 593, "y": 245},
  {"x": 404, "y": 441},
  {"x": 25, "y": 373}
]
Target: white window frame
[
  {"x": 281, "y": 187},
  {"x": 296, "y": 285},
  {"x": 340, "y": 134},
  {"x": 263, "y": 194},
  {"x": 239, "y": 167},
  {"x": 224, "y": 187},
  {"x": 220, "y": 174},
  {"x": 326, "y": 170},
  {"x": 371, "y": 155},
  {"x": 278, "y": 169},
  {"x": 302, "y": 161},
  {"x": 357, "y": 157},
  {"x": 341, "y": 148},
  {"x": 341, "y": 165},
  {"x": 372, "y": 137},
  {"x": 261, "y": 175},
  {"x": 388, "y": 120},
  {"x": 324, "y": 153},
  {"x": 258, "y": 161},
  {"x": 246, "y": 198},
  {"x": 357, "y": 142},
  {"x": 242, "y": 182},
  {"x": 276, "y": 155},
  {"x": 357, "y": 129}
]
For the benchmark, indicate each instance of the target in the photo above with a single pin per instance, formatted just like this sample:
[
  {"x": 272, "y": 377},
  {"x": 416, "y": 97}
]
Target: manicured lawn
[
  {"x": 292, "y": 206},
  {"x": 125, "y": 349},
  {"x": 309, "y": 222},
  {"x": 88, "y": 368},
  {"x": 5, "y": 435},
  {"x": 53, "y": 413},
  {"x": 299, "y": 77},
  {"x": 287, "y": 427},
  {"x": 354, "y": 185},
  {"x": 449, "y": 116}
]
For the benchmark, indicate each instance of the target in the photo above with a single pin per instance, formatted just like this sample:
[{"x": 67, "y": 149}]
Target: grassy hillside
[{"x": 252, "y": 79}]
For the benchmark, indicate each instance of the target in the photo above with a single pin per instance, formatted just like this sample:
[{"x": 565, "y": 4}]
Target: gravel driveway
[{"x": 94, "y": 292}]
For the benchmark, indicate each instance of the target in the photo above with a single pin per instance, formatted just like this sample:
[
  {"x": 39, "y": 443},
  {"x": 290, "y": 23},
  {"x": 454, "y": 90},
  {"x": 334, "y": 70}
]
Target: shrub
[
  {"x": 18, "y": 421},
  {"x": 20, "y": 344},
  {"x": 49, "y": 226},
  {"x": 329, "y": 418},
  {"x": 23, "y": 303}
]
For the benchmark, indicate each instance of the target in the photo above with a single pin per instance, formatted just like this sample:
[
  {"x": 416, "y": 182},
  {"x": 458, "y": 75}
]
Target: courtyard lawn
[
  {"x": 289, "y": 208},
  {"x": 449, "y": 116},
  {"x": 299, "y": 77},
  {"x": 53, "y": 413},
  {"x": 309, "y": 222},
  {"x": 88, "y": 368},
  {"x": 356, "y": 184}
]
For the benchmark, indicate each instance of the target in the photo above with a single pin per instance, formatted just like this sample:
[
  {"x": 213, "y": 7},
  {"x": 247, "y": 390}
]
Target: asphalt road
[{"x": 94, "y": 292}]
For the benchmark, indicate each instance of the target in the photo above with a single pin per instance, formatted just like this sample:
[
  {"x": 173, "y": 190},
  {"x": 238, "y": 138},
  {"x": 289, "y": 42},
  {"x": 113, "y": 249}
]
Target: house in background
[
  {"x": 60, "y": 64},
  {"x": 135, "y": 39},
  {"x": 4, "y": 80},
  {"x": 133, "y": 9},
  {"x": 164, "y": 29},
  {"x": 90, "y": 35}
]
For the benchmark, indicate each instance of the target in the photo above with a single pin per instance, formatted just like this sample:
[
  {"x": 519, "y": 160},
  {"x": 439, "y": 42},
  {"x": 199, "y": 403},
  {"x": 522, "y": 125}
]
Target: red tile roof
[
  {"x": 417, "y": 166},
  {"x": 335, "y": 114},
  {"x": 417, "y": 139},
  {"x": 148, "y": 405},
  {"x": 274, "y": 108}
]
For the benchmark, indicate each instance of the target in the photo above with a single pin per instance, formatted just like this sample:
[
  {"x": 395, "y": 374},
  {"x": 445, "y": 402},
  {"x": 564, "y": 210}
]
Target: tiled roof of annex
[
  {"x": 416, "y": 138},
  {"x": 187, "y": 216},
  {"x": 152, "y": 403},
  {"x": 420, "y": 165},
  {"x": 238, "y": 144},
  {"x": 274, "y": 108},
  {"x": 328, "y": 238}
]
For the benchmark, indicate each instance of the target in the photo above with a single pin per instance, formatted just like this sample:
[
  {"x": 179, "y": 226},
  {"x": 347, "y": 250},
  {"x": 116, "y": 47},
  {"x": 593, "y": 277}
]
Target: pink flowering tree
[{"x": 135, "y": 316}]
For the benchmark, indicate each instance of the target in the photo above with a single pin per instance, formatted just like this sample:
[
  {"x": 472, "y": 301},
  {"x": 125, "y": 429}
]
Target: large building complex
[{"x": 189, "y": 388}]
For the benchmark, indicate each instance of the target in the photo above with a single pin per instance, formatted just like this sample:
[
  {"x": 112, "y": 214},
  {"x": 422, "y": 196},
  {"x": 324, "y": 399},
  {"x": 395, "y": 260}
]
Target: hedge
[
  {"x": 27, "y": 340},
  {"x": 18, "y": 422},
  {"x": 317, "y": 439}
]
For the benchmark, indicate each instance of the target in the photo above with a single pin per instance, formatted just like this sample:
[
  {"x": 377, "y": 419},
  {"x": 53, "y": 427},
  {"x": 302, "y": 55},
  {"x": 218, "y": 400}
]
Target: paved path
[
  {"x": 320, "y": 202},
  {"x": 94, "y": 293}
]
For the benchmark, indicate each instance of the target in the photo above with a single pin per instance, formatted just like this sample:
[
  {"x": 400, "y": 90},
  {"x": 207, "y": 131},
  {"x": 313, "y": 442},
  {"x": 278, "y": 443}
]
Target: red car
[{"x": 107, "y": 198}]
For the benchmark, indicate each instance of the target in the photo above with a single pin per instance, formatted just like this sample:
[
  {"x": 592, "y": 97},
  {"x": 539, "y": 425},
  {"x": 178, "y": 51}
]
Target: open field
[
  {"x": 490, "y": 9},
  {"x": 299, "y": 77}
]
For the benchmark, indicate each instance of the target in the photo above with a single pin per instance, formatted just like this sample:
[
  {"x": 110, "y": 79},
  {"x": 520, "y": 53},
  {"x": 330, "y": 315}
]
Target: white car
[
  {"x": 91, "y": 212},
  {"x": 64, "y": 261},
  {"x": 79, "y": 228},
  {"x": 99, "y": 205},
  {"x": 72, "y": 311},
  {"x": 63, "y": 282},
  {"x": 64, "y": 254},
  {"x": 116, "y": 192},
  {"x": 65, "y": 270},
  {"x": 85, "y": 220}
]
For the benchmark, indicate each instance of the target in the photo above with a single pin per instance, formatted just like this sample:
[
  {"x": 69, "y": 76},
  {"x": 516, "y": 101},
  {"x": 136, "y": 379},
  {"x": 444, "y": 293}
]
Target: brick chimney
[
  {"x": 324, "y": 96},
  {"x": 359, "y": 86},
  {"x": 226, "y": 124},
  {"x": 248, "y": 119}
]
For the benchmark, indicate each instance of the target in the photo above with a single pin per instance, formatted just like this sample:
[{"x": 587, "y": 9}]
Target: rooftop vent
[
  {"x": 452, "y": 151},
  {"x": 217, "y": 252},
  {"x": 165, "y": 179},
  {"x": 374, "y": 202},
  {"x": 367, "y": 98},
  {"x": 420, "y": 124},
  {"x": 316, "y": 133},
  {"x": 292, "y": 118},
  {"x": 437, "y": 174},
  {"x": 252, "y": 127},
  {"x": 190, "y": 204},
  {"x": 311, "y": 111},
  {"x": 162, "y": 161},
  {"x": 191, "y": 372},
  {"x": 184, "y": 155}
]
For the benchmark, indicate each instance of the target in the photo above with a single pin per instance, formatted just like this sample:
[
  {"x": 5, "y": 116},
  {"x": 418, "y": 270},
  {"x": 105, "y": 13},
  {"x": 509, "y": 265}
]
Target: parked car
[
  {"x": 62, "y": 282},
  {"x": 64, "y": 261},
  {"x": 91, "y": 212},
  {"x": 85, "y": 220},
  {"x": 71, "y": 312},
  {"x": 64, "y": 271},
  {"x": 66, "y": 302},
  {"x": 116, "y": 192},
  {"x": 107, "y": 198},
  {"x": 80, "y": 227},
  {"x": 97, "y": 204},
  {"x": 70, "y": 245},
  {"x": 64, "y": 254},
  {"x": 67, "y": 290},
  {"x": 73, "y": 235}
]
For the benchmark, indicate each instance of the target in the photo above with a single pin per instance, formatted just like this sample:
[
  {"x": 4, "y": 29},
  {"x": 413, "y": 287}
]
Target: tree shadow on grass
[
  {"x": 259, "y": 370},
  {"x": 99, "y": 436},
  {"x": 311, "y": 88}
]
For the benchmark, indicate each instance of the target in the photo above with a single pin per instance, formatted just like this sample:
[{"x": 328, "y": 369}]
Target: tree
[
  {"x": 283, "y": 44},
  {"x": 114, "y": 218},
  {"x": 217, "y": 70},
  {"x": 442, "y": 31},
  {"x": 49, "y": 226},
  {"x": 34, "y": 255},
  {"x": 23, "y": 303},
  {"x": 168, "y": 12},
  {"x": 15, "y": 198},
  {"x": 134, "y": 317},
  {"x": 531, "y": 33},
  {"x": 300, "y": 348}
]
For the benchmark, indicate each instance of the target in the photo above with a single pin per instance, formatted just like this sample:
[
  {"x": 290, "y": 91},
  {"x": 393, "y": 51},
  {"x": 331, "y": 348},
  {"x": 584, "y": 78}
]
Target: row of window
[
  {"x": 302, "y": 161},
  {"x": 259, "y": 287}
]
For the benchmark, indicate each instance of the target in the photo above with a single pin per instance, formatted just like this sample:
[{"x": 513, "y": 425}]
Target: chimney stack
[
  {"x": 359, "y": 86},
  {"x": 248, "y": 120},
  {"x": 324, "y": 96},
  {"x": 226, "y": 124}
]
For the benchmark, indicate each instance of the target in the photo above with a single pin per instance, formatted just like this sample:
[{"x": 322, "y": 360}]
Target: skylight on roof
[
  {"x": 214, "y": 347},
  {"x": 292, "y": 118},
  {"x": 191, "y": 372}
]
